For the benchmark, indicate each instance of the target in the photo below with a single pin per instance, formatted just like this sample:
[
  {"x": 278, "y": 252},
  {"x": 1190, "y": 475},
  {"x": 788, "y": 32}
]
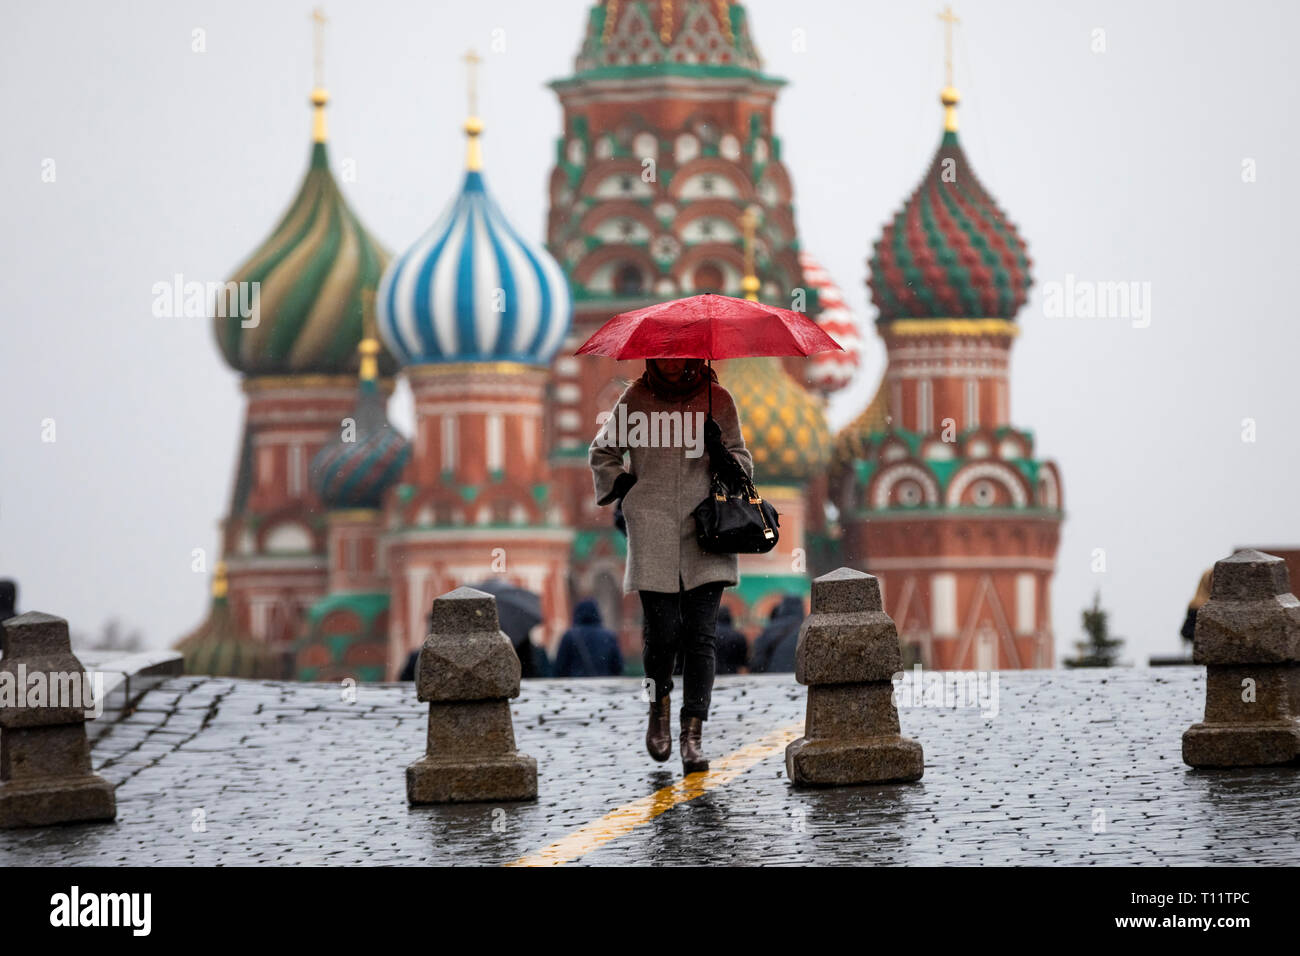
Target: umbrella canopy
[
  {"x": 708, "y": 327},
  {"x": 518, "y": 610}
]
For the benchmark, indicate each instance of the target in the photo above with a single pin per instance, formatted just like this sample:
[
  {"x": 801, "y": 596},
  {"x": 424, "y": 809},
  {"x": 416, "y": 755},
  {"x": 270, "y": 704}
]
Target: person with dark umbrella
[{"x": 518, "y": 612}]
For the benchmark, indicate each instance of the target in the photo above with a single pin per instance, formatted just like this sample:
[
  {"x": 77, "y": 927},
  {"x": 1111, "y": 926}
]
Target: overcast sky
[{"x": 1122, "y": 165}]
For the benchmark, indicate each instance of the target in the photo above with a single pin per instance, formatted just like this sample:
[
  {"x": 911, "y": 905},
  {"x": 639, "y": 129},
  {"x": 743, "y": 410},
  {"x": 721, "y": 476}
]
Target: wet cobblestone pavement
[{"x": 215, "y": 771}]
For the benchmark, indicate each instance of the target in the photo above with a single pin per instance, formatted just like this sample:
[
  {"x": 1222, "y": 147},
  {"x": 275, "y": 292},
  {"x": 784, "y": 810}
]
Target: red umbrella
[{"x": 708, "y": 327}]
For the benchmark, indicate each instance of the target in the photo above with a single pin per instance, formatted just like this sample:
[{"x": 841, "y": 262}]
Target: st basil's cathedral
[{"x": 668, "y": 181}]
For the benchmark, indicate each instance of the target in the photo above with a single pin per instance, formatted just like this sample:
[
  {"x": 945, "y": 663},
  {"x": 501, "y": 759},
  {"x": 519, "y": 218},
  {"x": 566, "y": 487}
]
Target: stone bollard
[
  {"x": 848, "y": 654},
  {"x": 468, "y": 672},
  {"x": 45, "y": 774},
  {"x": 1248, "y": 638}
]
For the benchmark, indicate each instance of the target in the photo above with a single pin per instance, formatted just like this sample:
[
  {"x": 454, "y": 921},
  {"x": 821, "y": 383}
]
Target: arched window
[
  {"x": 290, "y": 537},
  {"x": 629, "y": 281},
  {"x": 708, "y": 278}
]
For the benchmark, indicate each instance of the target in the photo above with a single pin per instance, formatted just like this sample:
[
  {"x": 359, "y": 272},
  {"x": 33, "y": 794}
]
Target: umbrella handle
[{"x": 708, "y": 383}]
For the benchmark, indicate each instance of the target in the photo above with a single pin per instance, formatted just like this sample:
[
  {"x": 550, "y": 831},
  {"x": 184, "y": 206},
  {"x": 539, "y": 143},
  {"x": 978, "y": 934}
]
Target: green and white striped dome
[{"x": 311, "y": 274}]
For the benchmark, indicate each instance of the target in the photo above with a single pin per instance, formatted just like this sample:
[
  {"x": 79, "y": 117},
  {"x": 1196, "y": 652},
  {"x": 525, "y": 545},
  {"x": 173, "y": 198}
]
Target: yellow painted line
[{"x": 628, "y": 817}]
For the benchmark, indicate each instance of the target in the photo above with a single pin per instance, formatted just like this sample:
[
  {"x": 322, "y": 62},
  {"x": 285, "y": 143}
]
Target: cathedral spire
[
  {"x": 473, "y": 125},
  {"x": 949, "y": 96},
  {"x": 310, "y": 272},
  {"x": 319, "y": 97}
]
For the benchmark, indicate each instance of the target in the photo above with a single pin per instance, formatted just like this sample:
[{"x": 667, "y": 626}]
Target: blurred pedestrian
[
  {"x": 411, "y": 666},
  {"x": 733, "y": 649},
  {"x": 588, "y": 649},
  {"x": 533, "y": 661},
  {"x": 775, "y": 647}
]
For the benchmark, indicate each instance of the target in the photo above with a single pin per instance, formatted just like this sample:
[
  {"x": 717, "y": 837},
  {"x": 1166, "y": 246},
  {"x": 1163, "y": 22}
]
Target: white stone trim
[
  {"x": 943, "y": 604},
  {"x": 896, "y": 473},
  {"x": 1052, "y": 499},
  {"x": 1026, "y": 603},
  {"x": 1003, "y": 474}
]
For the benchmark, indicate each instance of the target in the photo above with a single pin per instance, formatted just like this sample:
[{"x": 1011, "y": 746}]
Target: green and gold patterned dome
[
  {"x": 784, "y": 427},
  {"x": 310, "y": 274}
]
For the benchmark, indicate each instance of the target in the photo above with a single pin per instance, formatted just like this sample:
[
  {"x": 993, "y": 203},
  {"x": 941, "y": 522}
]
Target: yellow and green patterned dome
[
  {"x": 311, "y": 274},
  {"x": 784, "y": 427},
  {"x": 219, "y": 647},
  {"x": 853, "y": 440}
]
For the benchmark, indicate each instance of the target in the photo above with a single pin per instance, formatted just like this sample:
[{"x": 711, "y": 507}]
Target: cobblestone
[{"x": 1077, "y": 767}]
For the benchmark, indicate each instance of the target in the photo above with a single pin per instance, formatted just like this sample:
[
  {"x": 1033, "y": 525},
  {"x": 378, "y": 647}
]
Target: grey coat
[{"x": 661, "y": 544}]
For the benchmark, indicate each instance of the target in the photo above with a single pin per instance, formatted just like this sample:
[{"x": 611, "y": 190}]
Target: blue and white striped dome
[{"x": 472, "y": 290}]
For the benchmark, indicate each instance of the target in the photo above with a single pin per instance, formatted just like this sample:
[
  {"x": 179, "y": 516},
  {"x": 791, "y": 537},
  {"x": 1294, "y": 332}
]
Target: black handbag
[{"x": 735, "y": 522}]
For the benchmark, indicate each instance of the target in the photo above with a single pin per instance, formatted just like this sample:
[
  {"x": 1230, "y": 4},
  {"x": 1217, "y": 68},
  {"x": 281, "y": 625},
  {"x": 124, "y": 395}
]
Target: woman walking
[{"x": 680, "y": 584}]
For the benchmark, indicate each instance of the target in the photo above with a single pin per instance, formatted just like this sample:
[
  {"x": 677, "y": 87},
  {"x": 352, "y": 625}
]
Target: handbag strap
[
  {"x": 718, "y": 486},
  {"x": 715, "y": 479}
]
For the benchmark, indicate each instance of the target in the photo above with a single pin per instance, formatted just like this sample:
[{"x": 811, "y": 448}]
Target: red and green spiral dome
[{"x": 950, "y": 252}]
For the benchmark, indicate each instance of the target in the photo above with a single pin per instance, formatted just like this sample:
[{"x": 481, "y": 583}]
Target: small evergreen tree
[{"x": 1098, "y": 649}]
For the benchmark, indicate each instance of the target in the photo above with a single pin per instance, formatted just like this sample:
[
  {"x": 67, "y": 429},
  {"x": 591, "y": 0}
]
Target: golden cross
[
  {"x": 318, "y": 55},
  {"x": 949, "y": 20},
  {"x": 472, "y": 60}
]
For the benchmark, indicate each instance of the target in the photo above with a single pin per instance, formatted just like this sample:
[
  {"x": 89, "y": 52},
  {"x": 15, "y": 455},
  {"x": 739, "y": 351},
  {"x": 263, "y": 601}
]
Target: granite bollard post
[
  {"x": 468, "y": 672},
  {"x": 45, "y": 772},
  {"x": 848, "y": 654},
  {"x": 1248, "y": 637}
]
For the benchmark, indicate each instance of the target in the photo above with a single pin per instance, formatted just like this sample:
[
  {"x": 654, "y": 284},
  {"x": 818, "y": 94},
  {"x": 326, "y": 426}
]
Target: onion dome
[
  {"x": 310, "y": 273},
  {"x": 950, "y": 252},
  {"x": 784, "y": 428},
  {"x": 830, "y": 371},
  {"x": 219, "y": 647},
  {"x": 853, "y": 440},
  {"x": 355, "y": 470},
  {"x": 471, "y": 289},
  {"x": 641, "y": 36}
]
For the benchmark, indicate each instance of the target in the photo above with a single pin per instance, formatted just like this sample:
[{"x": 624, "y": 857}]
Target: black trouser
[{"x": 687, "y": 621}]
